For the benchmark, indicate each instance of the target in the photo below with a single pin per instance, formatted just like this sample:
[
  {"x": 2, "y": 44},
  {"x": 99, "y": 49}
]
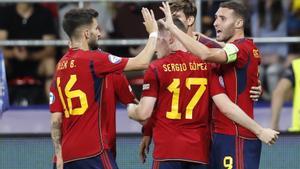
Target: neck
[
  {"x": 77, "y": 44},
  {"x": 24, "y": 10},
  {"x": 177, "y": 46},
  {"x": 238, "y": 35},
  {"x": 190, "y": 30}
]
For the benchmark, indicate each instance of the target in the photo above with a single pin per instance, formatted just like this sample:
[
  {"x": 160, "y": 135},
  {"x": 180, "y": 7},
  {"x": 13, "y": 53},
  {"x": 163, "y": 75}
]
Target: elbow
[
  {"x": 225, "y": 109},
  {"x": 145, "y": 115}
]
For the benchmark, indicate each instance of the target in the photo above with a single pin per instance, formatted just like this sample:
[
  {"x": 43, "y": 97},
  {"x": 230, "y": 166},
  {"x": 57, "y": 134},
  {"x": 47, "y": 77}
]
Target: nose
[
  {"x": 99, "y": 35},
  {"x": 215, "y": 23}
]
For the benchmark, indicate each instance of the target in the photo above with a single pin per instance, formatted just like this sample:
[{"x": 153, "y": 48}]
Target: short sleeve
[
  {"x": 150, "y": 86},
  {"x": 123, "y": 89},
  {"x": 54, "y": 100},
  {"x": 105, "y": 63},
  {"x": 242, "y": 55},
  {"x": 289, "y": 74},
  {"x": 216, "y": 83}
]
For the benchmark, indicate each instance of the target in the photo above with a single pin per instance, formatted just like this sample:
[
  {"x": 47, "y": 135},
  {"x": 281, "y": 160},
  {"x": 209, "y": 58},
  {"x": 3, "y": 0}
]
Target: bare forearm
[
  {"x": 276, "y": 108},
  {"x": 207, "y": 54},
  {"x": 192, "y": 45},
  {"x": 278, "y": 98},
  {"x": 142, "y": 60},
  {"x": 56, "y": 137},
  {"x": 136, "y": 113},
  {"x": 236, "y": 114}
]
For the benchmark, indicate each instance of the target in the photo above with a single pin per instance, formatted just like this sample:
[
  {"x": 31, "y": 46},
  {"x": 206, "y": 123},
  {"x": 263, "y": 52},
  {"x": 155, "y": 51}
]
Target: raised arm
[
  {"x": 56, "y": 121},
  {"x": 233, "y": 112},
  {"x": 142, "y": 60},
  {"x": 218, "y": 55}
]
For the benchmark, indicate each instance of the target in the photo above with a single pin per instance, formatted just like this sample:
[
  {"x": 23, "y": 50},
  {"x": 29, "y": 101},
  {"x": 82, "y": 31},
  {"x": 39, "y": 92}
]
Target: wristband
[
  {"x": 153, "y": 34},
  {"x": 231, "y": 51}
]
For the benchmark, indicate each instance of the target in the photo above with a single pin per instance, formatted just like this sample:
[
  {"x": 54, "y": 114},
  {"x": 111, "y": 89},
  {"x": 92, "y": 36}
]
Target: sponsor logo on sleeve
[
  {"x": 114, "y": 59},
  {"x": 146, "y": 86},
  {"x": 51, "y": 98},
  {"x": 221, "y": 81}
]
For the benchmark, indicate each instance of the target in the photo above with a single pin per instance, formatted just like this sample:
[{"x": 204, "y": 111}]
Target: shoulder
[{"x": 244, "y": 42}]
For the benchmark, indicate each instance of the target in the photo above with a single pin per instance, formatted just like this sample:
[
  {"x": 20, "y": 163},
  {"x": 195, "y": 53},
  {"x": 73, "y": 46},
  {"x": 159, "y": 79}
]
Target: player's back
[
  {"x": 78, "y": 85},
  {"x": 181, "y": 116}
]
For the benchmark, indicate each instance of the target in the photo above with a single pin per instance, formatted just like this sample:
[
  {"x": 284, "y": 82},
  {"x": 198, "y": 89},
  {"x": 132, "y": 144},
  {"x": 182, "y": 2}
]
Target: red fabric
[
  {"x": 81, "y": 134},
  {"x": 185, "y": 139},
  {"x": 239, "y": 77},
  {"x": 147, "y": 128},
  {"x": 53, "y": 8}
]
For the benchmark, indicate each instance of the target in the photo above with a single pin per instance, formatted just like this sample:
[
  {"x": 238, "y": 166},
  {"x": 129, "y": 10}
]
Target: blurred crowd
[{"x": 30, "y": 69}]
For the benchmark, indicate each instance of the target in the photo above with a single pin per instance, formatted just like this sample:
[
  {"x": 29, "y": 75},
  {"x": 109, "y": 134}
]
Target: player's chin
[{"x": 219, "y": 38}]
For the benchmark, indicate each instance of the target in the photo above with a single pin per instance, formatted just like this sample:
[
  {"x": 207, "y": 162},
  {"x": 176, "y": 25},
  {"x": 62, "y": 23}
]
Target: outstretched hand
[
  {"x": 149, "y": 20},
  {"x": 168, "y": 15}
]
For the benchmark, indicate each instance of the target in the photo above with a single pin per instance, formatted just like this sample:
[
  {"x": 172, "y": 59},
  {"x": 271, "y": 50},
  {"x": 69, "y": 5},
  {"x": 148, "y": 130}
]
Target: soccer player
[
  {"x": 287, "y": 84},
  {"x": 186, "y": 11},
  {"x": 178, "y": 88},
  {"x": 233, "y": 146},
  {"x": 84, "y": 91}
]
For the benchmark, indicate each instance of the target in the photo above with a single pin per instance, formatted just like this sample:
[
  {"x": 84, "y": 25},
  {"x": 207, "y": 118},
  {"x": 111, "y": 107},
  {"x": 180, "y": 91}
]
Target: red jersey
[
  {"x": 86, "y": 93},
  {"x": 239, "y": 76},
  {"x": 183, "y": 85}
]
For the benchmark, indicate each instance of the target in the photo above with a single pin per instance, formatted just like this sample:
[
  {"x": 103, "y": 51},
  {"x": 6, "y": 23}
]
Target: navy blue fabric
[
  {"x": 180, "y": 165},
  {"x": 242, "y": 77},
  {"x": 97, "y": 82},
  {"x": 91, "y": 163},
  {"x": 225, "y": 146}
]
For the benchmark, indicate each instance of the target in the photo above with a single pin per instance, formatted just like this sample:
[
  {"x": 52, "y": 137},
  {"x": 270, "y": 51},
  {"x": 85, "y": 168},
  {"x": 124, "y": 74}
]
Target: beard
[{"x": 93, "y": 45}]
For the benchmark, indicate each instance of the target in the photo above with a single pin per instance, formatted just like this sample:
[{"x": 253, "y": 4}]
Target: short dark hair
[
  {"x": 238, "y": 8},
  {"x": 187, "y": 6},
  {"x": 176, "y": 21},
  {"x": 76, "y": 18}
]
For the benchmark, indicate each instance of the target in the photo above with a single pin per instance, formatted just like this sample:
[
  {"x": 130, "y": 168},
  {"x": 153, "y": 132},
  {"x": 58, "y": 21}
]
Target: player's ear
[
  {"x": 86, "y": 33},
  {"x": 190, "y": 20},
  {"x": 239, "y": 23},
  {"x": 171, "y": 39}
]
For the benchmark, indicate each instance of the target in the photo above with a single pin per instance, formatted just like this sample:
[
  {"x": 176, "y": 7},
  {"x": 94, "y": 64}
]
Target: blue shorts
[
  {"x": 231, "y": 152},
  {"x": 177, "y": 165},
  {"x": 102, "y": 161}
]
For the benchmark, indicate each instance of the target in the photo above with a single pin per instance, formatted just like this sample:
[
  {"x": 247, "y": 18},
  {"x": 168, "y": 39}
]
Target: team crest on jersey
[
  {"x": 256, "y": 53},
  {"x": 114, "y": 59},
  {"x": 221, "y": 81},
  {"x": 146, "y": 86},
  {"x": 51, "y": 98}
]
